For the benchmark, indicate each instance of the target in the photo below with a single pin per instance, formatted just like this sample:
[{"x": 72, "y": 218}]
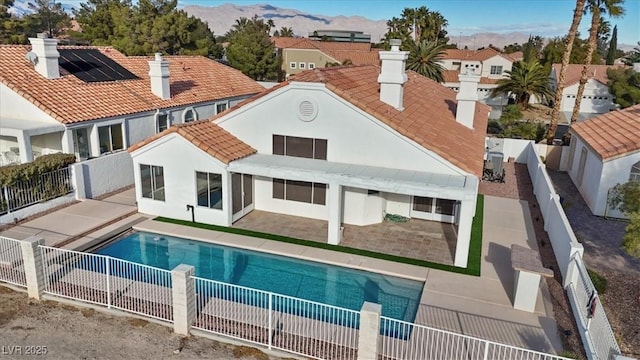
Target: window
[
  {"x": 292, "y": 65},
  {"x": 163, "y": 122},
  {"x": 221, "y": 107},
  {"x": 300, "y": 147},
  {"x": 635, "y": 172},
  {"x": 301, "y": 65},
  {"x": 209, "y": 188},
  {"x": 301, "y": 191},
  {"x": 152, "y": 181},
  {"x": 110, "y": 138},
  {"x": 423, "y": 204},
  {"x": 496, "y": 70},
  {"x": 189, "y": 115},
  {"x": 312, "y": 66},
  {"x": 445, "y": 207}
]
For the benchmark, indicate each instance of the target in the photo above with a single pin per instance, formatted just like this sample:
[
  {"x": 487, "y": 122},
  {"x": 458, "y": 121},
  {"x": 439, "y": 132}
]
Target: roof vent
[{"x": 307, "y": 109}]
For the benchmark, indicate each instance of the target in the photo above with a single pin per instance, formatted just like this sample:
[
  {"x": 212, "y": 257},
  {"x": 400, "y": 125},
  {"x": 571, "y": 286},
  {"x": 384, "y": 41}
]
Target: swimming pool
[{"x": 328, "y": 284}]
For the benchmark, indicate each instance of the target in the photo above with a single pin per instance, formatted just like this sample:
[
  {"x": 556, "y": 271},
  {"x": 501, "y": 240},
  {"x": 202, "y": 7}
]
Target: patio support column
[
  {"x": 24, "y": 144},
  {"x": 67, "y": 142},
  {"x": 467, "y": 211},
  {"x": 334, "y": 223},
  {"x": 369, "y": 331}
]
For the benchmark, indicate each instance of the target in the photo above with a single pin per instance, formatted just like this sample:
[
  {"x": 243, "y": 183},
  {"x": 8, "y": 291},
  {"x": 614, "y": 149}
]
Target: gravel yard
[{"x": 54, "y": 330}]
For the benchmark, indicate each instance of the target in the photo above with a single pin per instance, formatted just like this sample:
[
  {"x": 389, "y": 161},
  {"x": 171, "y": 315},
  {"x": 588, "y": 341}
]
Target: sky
[{"x": 540, "y": 17}]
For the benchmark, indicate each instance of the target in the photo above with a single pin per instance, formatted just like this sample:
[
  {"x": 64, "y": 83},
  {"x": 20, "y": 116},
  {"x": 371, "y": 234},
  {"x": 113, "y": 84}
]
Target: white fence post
[
  {"x": 369, "y": 330},
  {"x": 183, "y": 290},
  {"x": 32, "y": 257}
]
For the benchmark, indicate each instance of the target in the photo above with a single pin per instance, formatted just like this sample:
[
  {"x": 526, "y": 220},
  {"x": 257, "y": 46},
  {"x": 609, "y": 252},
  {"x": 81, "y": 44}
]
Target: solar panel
[{"x": 90, "y": 65}]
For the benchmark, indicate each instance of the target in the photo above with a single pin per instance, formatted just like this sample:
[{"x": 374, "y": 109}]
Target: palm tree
[
  {"x": 566, "y": 56},
  {"x": 597, "y": 7},
  {"x": 525, "y": 79},
  {"x": 423, "y": 59},
  {"x": 285, "y": 32}
]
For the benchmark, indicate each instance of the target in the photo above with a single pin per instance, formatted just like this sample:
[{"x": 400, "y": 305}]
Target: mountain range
[{"x": 221, "y": 19}]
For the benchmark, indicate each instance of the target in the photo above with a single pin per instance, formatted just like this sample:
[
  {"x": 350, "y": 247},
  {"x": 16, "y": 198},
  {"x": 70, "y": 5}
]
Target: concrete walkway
[
  {"x": 476, "y": 306},
  {"x": 77, "y": 220}
]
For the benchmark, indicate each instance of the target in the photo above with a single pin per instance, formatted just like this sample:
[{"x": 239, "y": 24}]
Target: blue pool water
[{"x": 328, "y": 284}]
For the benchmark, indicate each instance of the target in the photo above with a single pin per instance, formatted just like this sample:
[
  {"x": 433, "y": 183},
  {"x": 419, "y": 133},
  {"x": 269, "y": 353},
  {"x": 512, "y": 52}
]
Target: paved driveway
[{"x": 600, "y": 237}]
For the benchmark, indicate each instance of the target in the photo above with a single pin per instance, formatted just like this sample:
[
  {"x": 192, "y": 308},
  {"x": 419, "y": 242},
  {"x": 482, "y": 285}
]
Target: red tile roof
[
  {"x": 574, "y": 73},
  {"x": 306, "y": 43},
  {"x": 371, "y": 57},
  {"x": 611, "y": 134},
  {"x": 194, "y": 79},
  {"x": 207, "y": 136},
  {"x": 473, "y": 55},
  {"x": 428, "y": 117}
]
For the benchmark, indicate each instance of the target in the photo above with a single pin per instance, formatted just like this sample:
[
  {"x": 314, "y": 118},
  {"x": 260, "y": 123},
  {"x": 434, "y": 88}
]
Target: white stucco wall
[
  {"x": 263, "y": 200},
  {"x": 15, "y": 106},
  {"x": 398, "y": 204},
  {"x": 495, "y": 61},
  {"x": 170, "y": 152},
  {"x": 590, "y": 185},
  {"x": 350, "y": 134},
  {"x": 104, "y": 174},
  {"x": 592, "y": 89},
  {"x": 360, "y": 208},
  {"x": 614, "y": 172}
]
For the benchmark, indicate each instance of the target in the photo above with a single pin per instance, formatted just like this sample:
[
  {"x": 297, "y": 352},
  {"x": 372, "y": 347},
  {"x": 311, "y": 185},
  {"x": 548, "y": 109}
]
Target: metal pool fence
[
  {"x": 11, "y": 263},
  {"x": 298, "y": 326},
  {"x": 25, "y": 193},
  {"x": 107, "y": 281}
]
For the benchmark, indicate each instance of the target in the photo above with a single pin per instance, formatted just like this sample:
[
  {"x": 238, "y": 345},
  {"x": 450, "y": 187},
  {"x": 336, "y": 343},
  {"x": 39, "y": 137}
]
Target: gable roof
[
  {"x": 473, "y": 55},
  {"x": 193, "y": 79},
  {"x": 207, "y": 136},
  {"x": 574, "y": 73},
  {"x": 611, "y": 134},
  {"x": 428, "y": 117},
  {"x": 306, "y": 43}
]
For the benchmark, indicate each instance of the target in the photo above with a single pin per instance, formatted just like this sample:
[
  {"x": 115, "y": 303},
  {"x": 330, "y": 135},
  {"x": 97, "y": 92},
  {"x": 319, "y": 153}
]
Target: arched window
[
  {"x": 189, "y": 115},
  {"x": 635, "y": 172}
]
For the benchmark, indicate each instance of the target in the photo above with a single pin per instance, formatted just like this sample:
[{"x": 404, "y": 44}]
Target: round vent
[{"x": 307, "y": 109}]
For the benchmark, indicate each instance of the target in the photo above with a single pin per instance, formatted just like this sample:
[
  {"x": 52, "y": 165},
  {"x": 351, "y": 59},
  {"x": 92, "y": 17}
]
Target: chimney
[
  {"x": 392, "y": 75},
  {"x": 46, "y": 61},
  {"x": 467, "y": 97},
  {"x": 159, "y": 73}
]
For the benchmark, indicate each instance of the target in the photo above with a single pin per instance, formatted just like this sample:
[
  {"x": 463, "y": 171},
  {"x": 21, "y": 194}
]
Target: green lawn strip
[{"x": 474, "y": 257}]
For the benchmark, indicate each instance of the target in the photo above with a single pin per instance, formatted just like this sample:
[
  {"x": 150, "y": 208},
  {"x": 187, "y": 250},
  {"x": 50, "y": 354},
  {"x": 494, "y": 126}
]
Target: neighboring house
[
  {"x": 300, "y": 54},
  {"x": 605, "y": 151},
  {"x": 341, "y": 36},
  {"x": 94, "y": 100},
  {"x": 341, "y": 144},
  {"x": 491, "y": 65},
  {"x": 596, "y": 98}
]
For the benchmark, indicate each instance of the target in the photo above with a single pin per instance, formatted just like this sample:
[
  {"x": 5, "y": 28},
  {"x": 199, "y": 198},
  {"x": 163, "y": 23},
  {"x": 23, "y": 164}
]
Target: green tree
[
  {"x": 624, "y": 85},
  {"x": 251, "y": 49},
  {"x": 626, "y": 198},
  {"x": 597, "y": 8},
  {"x": 284, "y": 32},
  {"x": 11, "y": 27},
  {"x": 417, "y": 24},
  {"x": 532, "y": 48},
  {"x": 566, "y": 58},
  {"x": 104, "y": 21},
  {"x": 423, "y": 59},
  {"x": 511, "y": 48},
  {"x": 525, "y": 79},
  {"x": 48, "y": 16},
  {"x": 602, "y": 38},
  {"x": 613, "y": 46},
  {"x": 633, "y": 56}
]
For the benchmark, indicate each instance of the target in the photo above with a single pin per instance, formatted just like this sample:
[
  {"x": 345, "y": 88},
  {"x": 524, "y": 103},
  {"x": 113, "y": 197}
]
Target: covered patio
[
  {"x": 417, "y": 239},
  {"x": 22, "y": 141}
]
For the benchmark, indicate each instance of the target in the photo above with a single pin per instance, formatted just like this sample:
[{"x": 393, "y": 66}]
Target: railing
[
  {"x": 11, "y": 263},
  {"x": 107, "y": 281},
  {"x": 423, "y": 343},
  {"x": 46, "y": 187},
  {"x": 299, "y": 326},
  {"x": 591, "y": 313}
]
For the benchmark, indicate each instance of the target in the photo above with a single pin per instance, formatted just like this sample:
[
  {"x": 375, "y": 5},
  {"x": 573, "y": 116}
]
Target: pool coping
[{"x": 359, "y": 262}]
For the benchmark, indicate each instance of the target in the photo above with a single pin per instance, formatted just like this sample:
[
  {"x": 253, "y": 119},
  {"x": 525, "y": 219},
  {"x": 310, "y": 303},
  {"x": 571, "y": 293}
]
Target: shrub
[
  {"x": 494, "y": 127},
  {"x": 510, "y": 114},
  {"x": 11, "y": 174},
  {"x": 631, "y": 240},
  {"x": 599, "y": 281}
]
